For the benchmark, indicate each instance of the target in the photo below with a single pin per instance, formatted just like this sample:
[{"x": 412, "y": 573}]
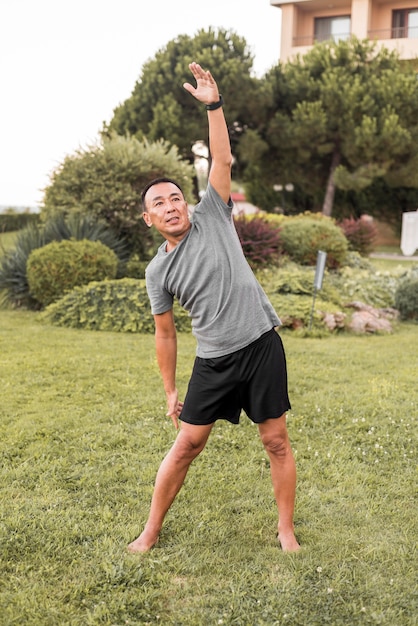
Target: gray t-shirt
[{"x": 209, "y": 275}]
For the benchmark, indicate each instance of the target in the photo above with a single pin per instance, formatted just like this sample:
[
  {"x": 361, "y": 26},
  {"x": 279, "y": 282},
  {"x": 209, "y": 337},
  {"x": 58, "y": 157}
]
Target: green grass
[
  {"x": 83, "y": 431},
  {"x": 7, "y": 241},
  {"x": 396, "y": 265}
]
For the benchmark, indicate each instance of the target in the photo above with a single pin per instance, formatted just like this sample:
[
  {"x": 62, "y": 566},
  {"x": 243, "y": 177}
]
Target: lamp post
[{"x": 289, "y": 187}]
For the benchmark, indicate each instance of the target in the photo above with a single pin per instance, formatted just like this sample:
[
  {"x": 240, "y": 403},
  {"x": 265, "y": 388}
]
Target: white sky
[{"x": 66, "y": 64}]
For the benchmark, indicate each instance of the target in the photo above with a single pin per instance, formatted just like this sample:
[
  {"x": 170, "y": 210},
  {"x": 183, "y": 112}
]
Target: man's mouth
[{"x": 173, "y": 220}]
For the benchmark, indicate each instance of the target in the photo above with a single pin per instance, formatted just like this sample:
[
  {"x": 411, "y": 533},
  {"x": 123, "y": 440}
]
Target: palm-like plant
[{"x": 14, "y": 288}]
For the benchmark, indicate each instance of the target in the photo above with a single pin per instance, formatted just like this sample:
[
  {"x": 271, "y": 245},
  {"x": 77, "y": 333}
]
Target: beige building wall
[{"x": 369, "y": 19}]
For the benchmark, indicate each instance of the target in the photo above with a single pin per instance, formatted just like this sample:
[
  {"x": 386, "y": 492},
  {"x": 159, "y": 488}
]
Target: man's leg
[
  {"x": 170, "y": 477},
  {"x": 273, "y": 433}
]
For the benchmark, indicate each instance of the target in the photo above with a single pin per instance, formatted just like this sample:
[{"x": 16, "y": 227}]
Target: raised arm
[{"x": 206, "y": 91}]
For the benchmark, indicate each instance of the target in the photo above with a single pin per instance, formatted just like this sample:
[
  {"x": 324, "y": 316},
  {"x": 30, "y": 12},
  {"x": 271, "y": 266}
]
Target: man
[{"x": 240, "y": 362}]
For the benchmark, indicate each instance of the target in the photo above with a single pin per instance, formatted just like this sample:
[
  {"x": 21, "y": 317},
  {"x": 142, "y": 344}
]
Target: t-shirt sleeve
[
  {"x": 212, "y": 204},
  {"x": 161, "y": 300}
]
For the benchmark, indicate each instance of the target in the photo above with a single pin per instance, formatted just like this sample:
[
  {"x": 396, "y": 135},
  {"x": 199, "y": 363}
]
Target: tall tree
[
  {"x": 346, "y": 116},
  {"x": 159, "y": 107}
]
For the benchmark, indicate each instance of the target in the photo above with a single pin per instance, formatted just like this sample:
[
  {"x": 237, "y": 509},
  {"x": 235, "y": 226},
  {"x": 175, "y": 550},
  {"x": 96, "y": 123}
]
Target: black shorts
[{"x": 253, "y": 378}]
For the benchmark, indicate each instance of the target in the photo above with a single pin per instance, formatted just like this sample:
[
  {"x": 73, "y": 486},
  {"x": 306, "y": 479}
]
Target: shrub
[
  {"x": 406, "y": 296},
  {"x": 299, "y": 280},
  {"x": 13, "y": 279},
  {"x": 360, "y": 233},
  {"x": 295, "y": 311},
  {"x": 260, "y": 241},
  {"x": 302, "y": 237},
  {"x": 112, "y": 305},
  {"x": 135, "y": 268},
  {"x": 290, "y": 290},
  {"x": 81, "y": 227},
  {"x": 58, "y": 267},
  {"x": 355, "y": 260},
  {"x": 371, "y": 287},
  {"x": 104, "y": 182}
]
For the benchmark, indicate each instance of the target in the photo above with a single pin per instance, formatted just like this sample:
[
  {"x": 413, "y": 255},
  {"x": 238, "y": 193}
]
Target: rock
[
  {"x": 367, "y": 319},
  {"x": 334, "y": 320}
]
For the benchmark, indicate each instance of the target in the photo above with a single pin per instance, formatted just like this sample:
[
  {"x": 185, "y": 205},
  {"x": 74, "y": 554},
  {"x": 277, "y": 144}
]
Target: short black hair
[{"x": 157, "y": 181}]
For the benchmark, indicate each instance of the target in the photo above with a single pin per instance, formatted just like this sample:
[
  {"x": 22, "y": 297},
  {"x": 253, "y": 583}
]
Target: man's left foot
[{"x": 287, "y": 541}]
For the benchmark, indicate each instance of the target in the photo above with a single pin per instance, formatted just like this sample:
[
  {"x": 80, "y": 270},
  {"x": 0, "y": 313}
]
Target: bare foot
[
  {"x": 287, "y": 541},
  {"x": 143, "y": 543}
]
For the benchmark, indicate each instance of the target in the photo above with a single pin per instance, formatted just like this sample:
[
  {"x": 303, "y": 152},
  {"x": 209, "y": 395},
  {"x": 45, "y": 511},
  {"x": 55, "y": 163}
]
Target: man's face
[{"x": 167, "y": 211}]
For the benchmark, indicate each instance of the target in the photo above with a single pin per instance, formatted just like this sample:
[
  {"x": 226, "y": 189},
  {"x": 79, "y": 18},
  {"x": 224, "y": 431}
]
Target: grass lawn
[
  {"x": 83, "y": 431},
  {"x": 7, "y": 240}
]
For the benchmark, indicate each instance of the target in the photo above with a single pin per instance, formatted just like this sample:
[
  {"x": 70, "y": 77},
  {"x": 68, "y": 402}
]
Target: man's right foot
[{"x": 143, "y": 543}]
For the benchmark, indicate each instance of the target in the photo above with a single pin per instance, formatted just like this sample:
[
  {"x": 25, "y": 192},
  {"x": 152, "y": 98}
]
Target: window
[
  {"x": 336, "y": 28},
  {"x": 405, "y": 24}
]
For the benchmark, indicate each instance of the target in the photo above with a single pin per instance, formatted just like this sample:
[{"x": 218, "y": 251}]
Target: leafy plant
[
  {"x": 374, "y": 288},
  {"x": 13, "y": 277},
  {"x": 14, "y": 286},
  {"x": 113, "y": 305},
  {"x": 260, "y": 241},
  {"x": 361, "y": 233},
  {"x": 303, "y": 236},
  {"x": 104, "y": 182},
  {"x": 60, "y": 266},
  {"x": 406, "y": 295}
]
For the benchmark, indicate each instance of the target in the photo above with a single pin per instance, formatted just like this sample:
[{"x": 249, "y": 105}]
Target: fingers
[
  {"x": 174, "y": 413},
  {"x": 188, "y": 87},
  {"x": 175, "y": 422},
  {"x": 206, "y": 89},
  {"x": 199, "y": 73}
]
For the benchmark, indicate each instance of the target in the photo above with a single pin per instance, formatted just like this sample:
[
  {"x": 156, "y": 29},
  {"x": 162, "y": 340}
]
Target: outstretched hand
[{"x": 206, "y": 89}]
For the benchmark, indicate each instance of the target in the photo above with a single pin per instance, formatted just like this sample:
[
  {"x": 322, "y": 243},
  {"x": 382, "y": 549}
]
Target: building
[{"x": 392, "y": 23}]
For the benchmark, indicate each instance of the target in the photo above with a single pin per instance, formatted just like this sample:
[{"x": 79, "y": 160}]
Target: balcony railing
[
  {"x": 398, "y": 32},
  {"x": 311, "y": 39}
]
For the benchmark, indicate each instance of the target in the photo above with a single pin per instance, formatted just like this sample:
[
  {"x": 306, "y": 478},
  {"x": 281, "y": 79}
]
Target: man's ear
[{"x": 147, "y": 219}]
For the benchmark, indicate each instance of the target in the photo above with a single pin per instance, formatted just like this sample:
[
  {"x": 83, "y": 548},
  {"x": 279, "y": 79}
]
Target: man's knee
[
  {"x": 276, "y": 445},
  {"x": 275, "y": 440},
  {"x": 189, "y": 445}
]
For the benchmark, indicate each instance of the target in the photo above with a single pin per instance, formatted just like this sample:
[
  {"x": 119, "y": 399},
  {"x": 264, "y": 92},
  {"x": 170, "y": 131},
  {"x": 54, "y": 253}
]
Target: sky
[{"x": 65, "y": 65}]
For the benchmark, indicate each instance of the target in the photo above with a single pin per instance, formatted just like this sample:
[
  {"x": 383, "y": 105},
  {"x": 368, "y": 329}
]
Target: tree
[
  {"x": 105, "y": 181},
  {"x": 159, "y": 107},
  {"x": 346, "y": 117}
]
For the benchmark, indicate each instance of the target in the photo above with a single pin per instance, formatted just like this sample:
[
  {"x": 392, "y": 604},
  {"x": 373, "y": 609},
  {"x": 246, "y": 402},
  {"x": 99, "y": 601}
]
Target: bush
[
  {"x": 356, "y": 261},
  {"x": 79, "y": 227},
  {"x": 360, "y": 233},
  {"x": 135, "y": 268},
  {"x": 406, "y": 296},
  {"x": 371, "y": 287},
  {"x": 58, "y": 267},
  {"x": 13, "y": 279},
  {"x": 299, "y": 280},
  {"x": 302, "y": 236},
  {"x": 260, "y": 241},
  {"x": 112, "y": 305},
  {"x": 105, "y": 181}
]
